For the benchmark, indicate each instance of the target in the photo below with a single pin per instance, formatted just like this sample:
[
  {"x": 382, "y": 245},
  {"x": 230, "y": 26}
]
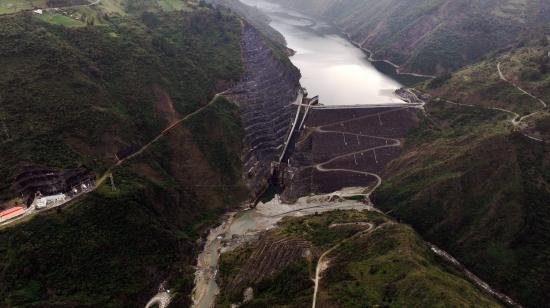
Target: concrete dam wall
[{"x": 265, "y": 95}]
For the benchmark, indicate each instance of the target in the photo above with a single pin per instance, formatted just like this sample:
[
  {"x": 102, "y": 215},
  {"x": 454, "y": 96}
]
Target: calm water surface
[{"x": 331, "y": 67}]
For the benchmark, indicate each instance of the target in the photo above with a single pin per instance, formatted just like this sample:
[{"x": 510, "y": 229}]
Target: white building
[
  {"x": 39, "y": 11},
  {"x": 43, "y": 202}
]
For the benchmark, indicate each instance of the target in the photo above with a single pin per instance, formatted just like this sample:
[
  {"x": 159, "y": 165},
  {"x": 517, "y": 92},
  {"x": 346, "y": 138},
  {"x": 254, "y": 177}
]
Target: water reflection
[{"x": 331, "y": 66}]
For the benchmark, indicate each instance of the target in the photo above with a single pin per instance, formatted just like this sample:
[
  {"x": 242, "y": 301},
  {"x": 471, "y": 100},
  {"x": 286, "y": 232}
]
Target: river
[
  {"x": 246, "y": 225},
  {"x": 331, "y": 66}
]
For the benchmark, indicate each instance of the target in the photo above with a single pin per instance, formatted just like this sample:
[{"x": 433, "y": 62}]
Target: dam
[
  {"x": 330, "y": 65},
  {"x": 284, "y": 130}
]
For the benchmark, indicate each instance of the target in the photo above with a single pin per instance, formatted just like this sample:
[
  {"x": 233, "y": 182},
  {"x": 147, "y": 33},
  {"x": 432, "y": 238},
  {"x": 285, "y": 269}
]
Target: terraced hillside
[
  {"x": 345, "y": 148},
  {"x": 366, "y": 259},
  {"x": 265, "y": 95},
  {"x": 85, "y": 97},
  {"x": 432, "y": 36},
  {"x": 122, "y": 7}
]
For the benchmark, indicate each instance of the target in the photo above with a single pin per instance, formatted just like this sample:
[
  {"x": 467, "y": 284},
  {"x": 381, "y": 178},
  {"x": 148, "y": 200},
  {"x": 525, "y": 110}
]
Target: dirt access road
[
  {"x": 516, "y": 119},
  {"x": 167, "y": 130},
  {"x": 161, "y": 300},
  {"x": 245, "y": 226},
  {"x": 31, "y": 210},
  {"x": 322, "y": 263},
  {"x": 390, "y": 143}
]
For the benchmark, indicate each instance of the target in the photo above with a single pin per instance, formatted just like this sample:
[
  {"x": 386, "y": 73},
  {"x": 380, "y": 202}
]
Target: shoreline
[{"x": 371, "y": 59}]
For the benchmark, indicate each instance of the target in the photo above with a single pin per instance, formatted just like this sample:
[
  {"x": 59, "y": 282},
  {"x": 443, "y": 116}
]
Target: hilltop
[{"x": 369, "y": 260}]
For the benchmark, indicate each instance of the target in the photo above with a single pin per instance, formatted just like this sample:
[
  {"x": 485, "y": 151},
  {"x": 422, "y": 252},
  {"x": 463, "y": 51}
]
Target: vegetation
[
  {"x": 77, "y": 96},
  {"x": 103, "y": 251},
  {"x": 389, "y": 266},
  {"x": 253, "y": 16},
  {"x": 480, "y": 84},
  {"x": 473, "y": 185},
  {"x": 73, "y": 96},
  {"x": 392, "y": 267}
]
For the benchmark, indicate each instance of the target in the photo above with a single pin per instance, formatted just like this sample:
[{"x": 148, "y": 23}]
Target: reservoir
[{"x": 331, "y": 66}]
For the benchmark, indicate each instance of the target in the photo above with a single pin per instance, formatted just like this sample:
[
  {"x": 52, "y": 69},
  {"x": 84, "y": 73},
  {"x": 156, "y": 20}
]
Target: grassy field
[
  {"x": 60, "y": 19},
  {"x": 13, "y": 6}
]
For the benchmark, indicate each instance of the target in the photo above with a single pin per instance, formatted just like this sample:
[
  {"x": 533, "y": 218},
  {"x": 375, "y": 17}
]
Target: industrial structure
[
  {"x": 11, "y": 213},
  {"x": 42, "y": 202}
]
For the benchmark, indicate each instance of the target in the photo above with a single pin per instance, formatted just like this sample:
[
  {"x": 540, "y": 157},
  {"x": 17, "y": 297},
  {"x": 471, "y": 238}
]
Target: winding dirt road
[
  {"x": 168, "y": 129},
  {"x": 501, "y": 75},
  {"x": 322, "y": 264},
  {"x": 516, "y": 119},
  {"x": 162, "y": 300},
  {"x": 390, "y": 142}
]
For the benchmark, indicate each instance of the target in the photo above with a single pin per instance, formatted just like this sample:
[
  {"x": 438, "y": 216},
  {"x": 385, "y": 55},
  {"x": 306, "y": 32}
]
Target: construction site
[{"x": 344, "y": 147}]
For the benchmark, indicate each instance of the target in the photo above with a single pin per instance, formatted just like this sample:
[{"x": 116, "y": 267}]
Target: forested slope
[{"x": 84, "y": 96}]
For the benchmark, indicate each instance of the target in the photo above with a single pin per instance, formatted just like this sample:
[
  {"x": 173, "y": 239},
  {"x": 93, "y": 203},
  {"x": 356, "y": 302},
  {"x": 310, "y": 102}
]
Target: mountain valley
[{"x": 188, "y": 165}]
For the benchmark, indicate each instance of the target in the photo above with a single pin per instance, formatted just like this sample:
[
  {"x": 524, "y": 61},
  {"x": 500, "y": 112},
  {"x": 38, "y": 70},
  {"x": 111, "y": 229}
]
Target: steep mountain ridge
[
  {"x": 131, "y": 85},
  {"x": 86, "y": 97},
  {"x": 269, "y": 86}
]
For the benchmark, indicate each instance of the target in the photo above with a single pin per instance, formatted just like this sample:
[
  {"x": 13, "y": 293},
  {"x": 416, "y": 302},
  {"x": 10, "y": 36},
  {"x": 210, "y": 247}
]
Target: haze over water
[{"x": 331, "y": 67}]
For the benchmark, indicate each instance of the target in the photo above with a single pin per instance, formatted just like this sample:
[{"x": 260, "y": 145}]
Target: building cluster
[{"x": 42, "y": 202}]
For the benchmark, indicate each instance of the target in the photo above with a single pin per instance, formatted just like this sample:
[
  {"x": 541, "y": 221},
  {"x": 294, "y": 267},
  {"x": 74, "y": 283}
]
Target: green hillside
[
  {"x": 475, "y": 184},
  {"x": 480, "y": 84},
  {"x": 387, "y": 266},
  {"x": 75, "y": 97}
]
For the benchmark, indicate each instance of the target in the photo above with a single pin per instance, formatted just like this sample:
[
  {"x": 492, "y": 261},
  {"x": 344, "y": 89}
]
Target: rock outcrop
[{"x": 265, "y": 95}]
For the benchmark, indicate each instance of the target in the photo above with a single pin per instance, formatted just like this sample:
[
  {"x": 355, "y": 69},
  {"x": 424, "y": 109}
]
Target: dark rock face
[
  {"x": 48, "y": 181},
  {"x": 265, "y": 95},
  {"x": 341, "y": 147}
]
